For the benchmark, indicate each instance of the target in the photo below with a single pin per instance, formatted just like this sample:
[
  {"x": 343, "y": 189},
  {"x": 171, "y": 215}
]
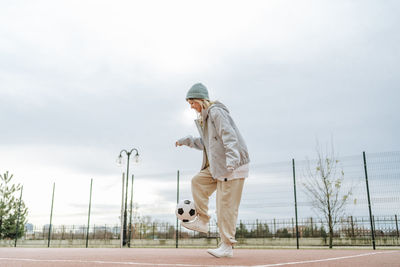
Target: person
[{"x": 224, "y": 169}]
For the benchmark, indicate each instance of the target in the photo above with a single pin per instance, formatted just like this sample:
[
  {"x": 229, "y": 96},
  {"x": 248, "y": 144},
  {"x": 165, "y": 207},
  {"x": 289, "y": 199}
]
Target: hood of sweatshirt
[{"x": 216, "y": 104}]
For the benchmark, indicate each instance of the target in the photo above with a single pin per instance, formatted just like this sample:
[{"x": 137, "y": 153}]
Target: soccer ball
[{"x": 186, "y": 211}]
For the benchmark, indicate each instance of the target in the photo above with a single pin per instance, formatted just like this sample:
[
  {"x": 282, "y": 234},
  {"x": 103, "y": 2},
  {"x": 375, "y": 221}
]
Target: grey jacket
[{"x": 223, "y": 143}]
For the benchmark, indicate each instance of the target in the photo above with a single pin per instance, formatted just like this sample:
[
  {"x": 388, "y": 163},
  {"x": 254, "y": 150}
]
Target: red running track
[{"x": 43, "y": 257}]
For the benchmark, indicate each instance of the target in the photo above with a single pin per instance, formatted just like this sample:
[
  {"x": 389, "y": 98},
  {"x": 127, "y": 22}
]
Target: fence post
[
  {"x": 397, "y": 226},
  {"x": 257, "y": 229},
  {"x": 209, "y": 230},
  {"x": 72, "y": 233},
  {"x": 369, "y": 202},
  {"x": 153, "y": 230},
  {"x": 130, "y": 216},
  {"x": 51, "y": 216},
  {"x": 19, "y": 213},
  {"x": 166, "y": 231},
  {"x": 177, "y": 201},
  {"x": 63, "y": 232},
  {"x": 295, "y": 204},
  {"x": 312, "y": 227},
  {"x": 352, "y": 226},
  {"x": 121, "y": 234},
  {"x": 90, "y": 205}
]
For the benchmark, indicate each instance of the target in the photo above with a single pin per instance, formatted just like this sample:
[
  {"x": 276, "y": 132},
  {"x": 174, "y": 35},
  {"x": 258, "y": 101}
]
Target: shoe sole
[
  {"x": 227, "y": 256},
  {"x": 197, "y": 230}
]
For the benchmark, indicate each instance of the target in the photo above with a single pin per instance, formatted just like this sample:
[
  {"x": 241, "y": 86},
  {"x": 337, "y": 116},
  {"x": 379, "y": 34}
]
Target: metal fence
[
  {"x": 349, "y": 231},
  {"x": 369, "y": 218}
]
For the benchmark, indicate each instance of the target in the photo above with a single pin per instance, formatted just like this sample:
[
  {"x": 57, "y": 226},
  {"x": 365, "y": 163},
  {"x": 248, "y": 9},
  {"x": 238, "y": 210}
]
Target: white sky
[{"x": 81, "y": 80}]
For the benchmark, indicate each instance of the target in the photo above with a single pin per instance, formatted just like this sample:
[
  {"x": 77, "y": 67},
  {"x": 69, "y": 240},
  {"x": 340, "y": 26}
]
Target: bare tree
[{"x": 324, "y": 186}]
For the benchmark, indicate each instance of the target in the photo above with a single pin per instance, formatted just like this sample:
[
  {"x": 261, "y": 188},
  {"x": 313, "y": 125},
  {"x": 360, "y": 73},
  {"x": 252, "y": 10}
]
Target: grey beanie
[{"x": 197, "y": 91}]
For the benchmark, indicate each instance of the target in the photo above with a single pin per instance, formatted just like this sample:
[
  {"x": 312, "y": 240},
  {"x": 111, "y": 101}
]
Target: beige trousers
[{"x": 229, "y": 194}]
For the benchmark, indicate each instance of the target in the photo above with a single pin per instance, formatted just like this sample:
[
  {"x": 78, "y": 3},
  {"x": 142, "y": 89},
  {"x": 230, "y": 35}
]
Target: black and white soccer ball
[{"x": 185, "y": 210}]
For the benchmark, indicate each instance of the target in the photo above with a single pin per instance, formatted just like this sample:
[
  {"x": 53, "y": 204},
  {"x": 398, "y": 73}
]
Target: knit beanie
[{"x": 197, "y": 91}]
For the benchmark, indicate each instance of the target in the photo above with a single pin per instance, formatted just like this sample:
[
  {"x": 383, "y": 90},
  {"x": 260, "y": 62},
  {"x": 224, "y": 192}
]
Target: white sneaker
[
  {"x": 196, "y": 225},
  {"x": 223, "y": 251}
]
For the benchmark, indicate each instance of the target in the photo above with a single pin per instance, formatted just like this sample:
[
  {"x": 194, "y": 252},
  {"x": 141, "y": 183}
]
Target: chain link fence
[
  {"x": 350, "y": 231},
  {"x": 267, "y": 215}
]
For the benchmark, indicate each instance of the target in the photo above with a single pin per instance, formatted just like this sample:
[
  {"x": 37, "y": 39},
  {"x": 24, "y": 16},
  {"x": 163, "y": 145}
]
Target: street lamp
[{"x": 119, "y": 162}]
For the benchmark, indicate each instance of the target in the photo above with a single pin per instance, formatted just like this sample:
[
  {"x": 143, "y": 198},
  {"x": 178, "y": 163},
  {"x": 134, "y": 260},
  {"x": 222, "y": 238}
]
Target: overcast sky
[{"x": 81, "y": 80}]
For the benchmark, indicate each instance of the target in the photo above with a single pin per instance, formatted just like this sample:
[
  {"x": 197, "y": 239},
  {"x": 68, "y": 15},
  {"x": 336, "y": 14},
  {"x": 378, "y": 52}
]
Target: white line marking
[
  {"x": 117, "y": 262},
  {"x": 104, "y": 262},
  {"x": 328, "y": 259},
  {"x": 195, "y": 265}
]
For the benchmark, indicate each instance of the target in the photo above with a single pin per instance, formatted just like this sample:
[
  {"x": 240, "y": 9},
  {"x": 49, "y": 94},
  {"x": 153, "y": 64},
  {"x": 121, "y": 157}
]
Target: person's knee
[
  {"x": 194, "y": 183},
  {"x": 195, "y": 180}
]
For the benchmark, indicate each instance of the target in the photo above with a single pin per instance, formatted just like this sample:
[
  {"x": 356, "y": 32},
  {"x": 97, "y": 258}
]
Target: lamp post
[{"x": 119, "y": 162}]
